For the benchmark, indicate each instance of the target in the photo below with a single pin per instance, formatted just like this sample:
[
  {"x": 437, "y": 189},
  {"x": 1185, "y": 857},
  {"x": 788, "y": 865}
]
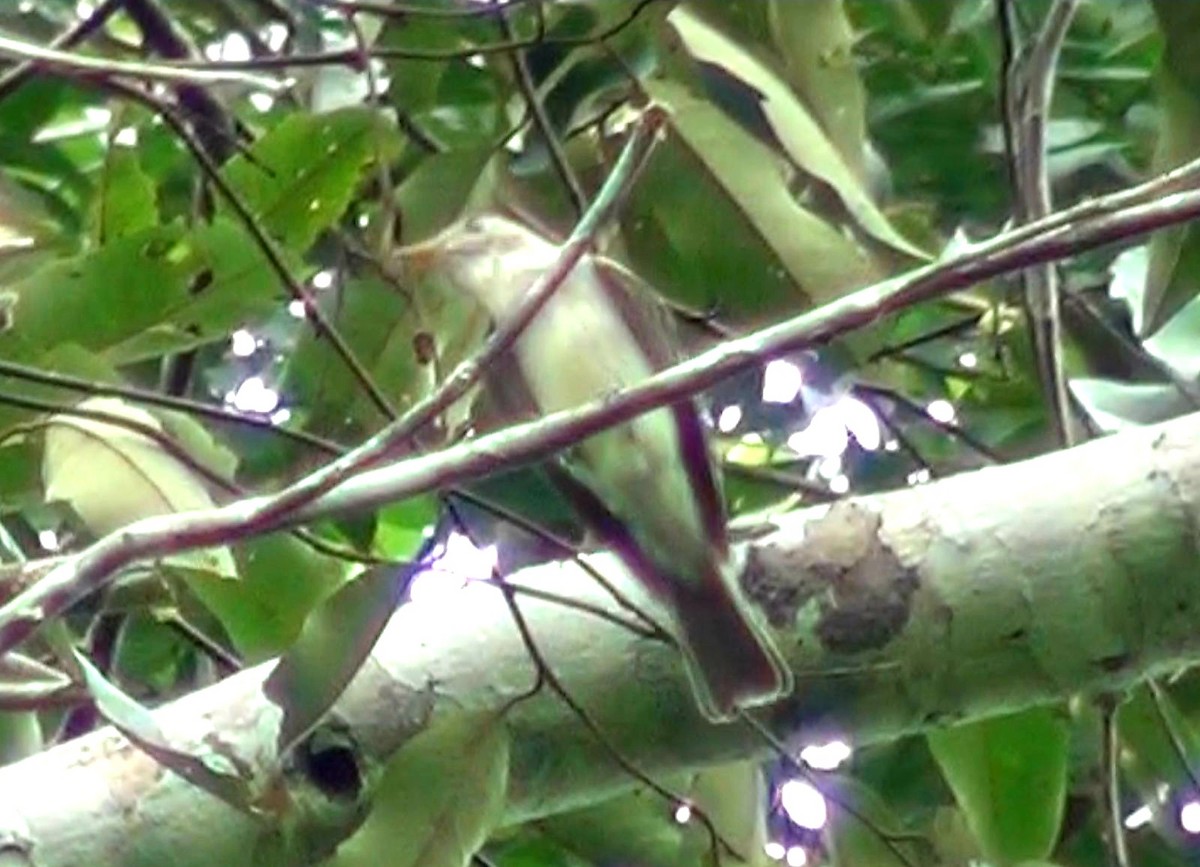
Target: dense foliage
[{"x": 202, "y": 302}]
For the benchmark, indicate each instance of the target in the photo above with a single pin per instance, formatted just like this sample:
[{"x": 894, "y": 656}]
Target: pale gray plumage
[{"x": 595, "y": 337}]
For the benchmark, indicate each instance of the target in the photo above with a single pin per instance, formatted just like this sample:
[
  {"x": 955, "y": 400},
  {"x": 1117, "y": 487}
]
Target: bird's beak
[{"x": 418, "y": 260}]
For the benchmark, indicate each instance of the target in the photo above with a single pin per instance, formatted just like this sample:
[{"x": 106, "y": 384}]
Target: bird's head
[{"x": 486, "y": 248}]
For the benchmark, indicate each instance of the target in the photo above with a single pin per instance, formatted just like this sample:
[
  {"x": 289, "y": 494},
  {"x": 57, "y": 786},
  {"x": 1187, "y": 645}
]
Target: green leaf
[
  {"x": 1009, "y": 776},
  {"x": 862, "y": 830},
  {"x": 125, "y": 199},
  {"x": 1158, "y": 743},
  {"x": 211, "y": 771},
  {"x": 816, "y": 41},
  {"x": 438, "y": 800},
  {"x": 390, "y": 336},
  {"x": 282, "y": 580},
  {"x": 403, "y": 527},
  {"x": 1174, "y": 253},
  {"x": 792, "y": 125},
  {"x": 1114, "y": 406},
  {"x": 751, "y": 223},
  {"x": 734, "y": 798},
  {"x": 20, "y": 736},
  {"x": 150, "y": 653},
  {"x": 148, "y": 293},
  {"x": 336, "y": 639},
  {"x": 635, "y": 828},
  {"x": 112, "y": 475},
  {"x": 299, "y": 177}
]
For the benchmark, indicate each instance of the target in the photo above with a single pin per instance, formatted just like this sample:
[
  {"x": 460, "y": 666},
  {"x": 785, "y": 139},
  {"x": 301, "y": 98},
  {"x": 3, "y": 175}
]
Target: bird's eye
[{"x": 474, "y": 225}]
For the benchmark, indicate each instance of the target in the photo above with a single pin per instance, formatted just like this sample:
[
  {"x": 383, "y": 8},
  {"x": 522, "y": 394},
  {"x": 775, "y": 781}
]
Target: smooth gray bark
[{"x": 984, "y": 593}]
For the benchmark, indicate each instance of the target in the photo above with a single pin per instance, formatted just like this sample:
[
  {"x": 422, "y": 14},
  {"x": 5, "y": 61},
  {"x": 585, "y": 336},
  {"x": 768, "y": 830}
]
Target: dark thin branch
[
  {"x": 545, "y": 675},
  {"x": 528, "y": 88},
  {"x": 348, "y": 57},
  {"x": 166, "y": 401},
  {"x": 1091, "y": 224},
  {"x": 568, "y": 550},
  {"x": 214, "y": 129},
  {"x": 401, "y": 10},
  {"x": 398, "y": 436},
  {"x": 910, "y": 406},
  {"x": 951, "y": 330},
  {"x": 323, "y": 326},
  {"x": 801, "y": 768},
  {"x": 1027, "y": 92},
  {"x": 17, "y": 75}
]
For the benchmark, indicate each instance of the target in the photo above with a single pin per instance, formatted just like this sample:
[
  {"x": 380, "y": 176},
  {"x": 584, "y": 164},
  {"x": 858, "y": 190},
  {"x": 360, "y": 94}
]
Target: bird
[{"x": 647, "y": 488}]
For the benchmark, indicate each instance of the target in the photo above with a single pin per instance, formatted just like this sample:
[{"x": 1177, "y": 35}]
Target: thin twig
[
  {"x": 166, "y": 401},
  {"x": 1091, "y": 224},
  {"x": 397, "y": 436},
  {"x": 17, "y": 75},
  {"x": 348, "y": 57},
  {"x": 1112, "y": 783},
  {"x": 547, "y": 676},
  {"x": 800, "y": 767},
  {"x": 171, "y": 447},
  {"x": 1028, "y": 91},
  {"x": 105, "y": 68},
  {"x": 912, "y": 408},
  {"x": 528, "y": 88},
  {"x": 401, "y": 10},
  {"x": 321, "y": 325}
]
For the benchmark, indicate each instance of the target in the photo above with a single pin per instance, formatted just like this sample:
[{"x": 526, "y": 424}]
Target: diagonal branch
[
  {"x": 1014, "y": 598},
  {"x": 1091, "y": 224}
]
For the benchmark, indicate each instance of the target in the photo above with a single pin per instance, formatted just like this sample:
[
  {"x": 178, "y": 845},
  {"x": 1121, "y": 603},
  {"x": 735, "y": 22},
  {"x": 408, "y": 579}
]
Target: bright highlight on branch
[
  {"x": 781, "y": 381},
  {"x": 804, "y": 805},
  {"x": 827, "y": 756},
  {"x": 1189, "y": 817}
]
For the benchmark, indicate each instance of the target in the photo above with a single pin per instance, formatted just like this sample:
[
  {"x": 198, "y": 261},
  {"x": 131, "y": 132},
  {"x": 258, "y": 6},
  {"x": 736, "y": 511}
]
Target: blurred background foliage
[{"x": 158, "y": 244}]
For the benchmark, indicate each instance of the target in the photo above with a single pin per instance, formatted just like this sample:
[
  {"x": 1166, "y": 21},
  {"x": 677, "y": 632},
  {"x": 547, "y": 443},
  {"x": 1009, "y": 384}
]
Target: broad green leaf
[
  {"x": 232, "y": 285},
  {"x": 438, "y": 799},
  {"x": 153, "y": 655},
  {"x": 209, "y": 770},
  {"x": 816, "y": 41},
  {"x": 299, "y": 177},
  {"x": 635, "y": 828},
  {"x": 20, "y": 736},
  {"x": 98, "y": 299},
  {"x": 403, "y": 527},
  {"x": 734, "y": 798},
  {"x": 407, "y": 342},
  {"x": 1159, "y": 745},
  {"x": 751, "y": 223},
  {"x": 1174, "y": 253},
  {"x": 797, "y": 132},
  {"x": 433, "y": 194},
  {"x": 151, "y": 292},
  {"x": 862, "y": 830},
  {"x": 335, "y": 640},
  {"x": 282, "y": 580},
  {"x": 24, "y": 220},
  {"x": 112, "y": 476},
  {"x": 1009, "y": 776},
  {"x": 125, "y": 197},
  {"x": 1115, "y": 406}
]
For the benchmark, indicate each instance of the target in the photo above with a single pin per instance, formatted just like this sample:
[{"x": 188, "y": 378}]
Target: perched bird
[{"x": 647, "y": 488}]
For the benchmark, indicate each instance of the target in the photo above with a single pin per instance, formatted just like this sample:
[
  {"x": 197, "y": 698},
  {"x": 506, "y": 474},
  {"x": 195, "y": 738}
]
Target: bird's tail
[{"x": 731, "y": 660}]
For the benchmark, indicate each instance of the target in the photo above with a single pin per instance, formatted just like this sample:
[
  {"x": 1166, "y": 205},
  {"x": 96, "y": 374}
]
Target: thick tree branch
[{"x": 991, "y": 591}]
